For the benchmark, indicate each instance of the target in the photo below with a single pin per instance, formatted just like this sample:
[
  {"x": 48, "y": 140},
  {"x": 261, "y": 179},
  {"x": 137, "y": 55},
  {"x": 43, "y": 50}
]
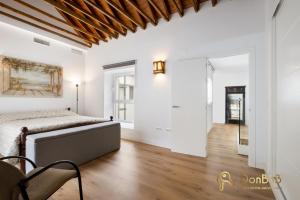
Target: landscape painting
[{"x": 22, "y": 78}]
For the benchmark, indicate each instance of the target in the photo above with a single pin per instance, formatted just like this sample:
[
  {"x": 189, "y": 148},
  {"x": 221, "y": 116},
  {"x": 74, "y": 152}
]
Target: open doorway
[{"x": 230, "y": 102}]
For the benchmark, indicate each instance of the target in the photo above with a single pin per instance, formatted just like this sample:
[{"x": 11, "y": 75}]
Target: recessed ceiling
[
  {"x": 89, "y": 22},
  {"x": 237, "y": 63}
]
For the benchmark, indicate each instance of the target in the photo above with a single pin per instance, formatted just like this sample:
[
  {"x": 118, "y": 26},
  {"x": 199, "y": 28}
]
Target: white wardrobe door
[{"x": 288, "y": 97}]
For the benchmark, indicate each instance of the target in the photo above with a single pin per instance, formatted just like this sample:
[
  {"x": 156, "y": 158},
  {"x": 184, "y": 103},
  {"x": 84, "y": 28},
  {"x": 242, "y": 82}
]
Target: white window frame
[{"x": 115, "y": 101}]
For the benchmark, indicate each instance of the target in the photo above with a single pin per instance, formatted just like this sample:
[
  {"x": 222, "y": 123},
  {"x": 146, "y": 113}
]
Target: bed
[{"x": 47, "y": 136}]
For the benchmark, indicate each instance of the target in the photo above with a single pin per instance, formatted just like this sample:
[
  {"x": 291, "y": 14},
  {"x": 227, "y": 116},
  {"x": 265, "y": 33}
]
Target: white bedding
[{"x": 40, "y": 121}]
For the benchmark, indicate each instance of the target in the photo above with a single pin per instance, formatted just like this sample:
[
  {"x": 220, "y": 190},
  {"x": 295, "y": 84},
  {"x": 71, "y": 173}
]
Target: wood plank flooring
[{"x": 144, "y": 172}]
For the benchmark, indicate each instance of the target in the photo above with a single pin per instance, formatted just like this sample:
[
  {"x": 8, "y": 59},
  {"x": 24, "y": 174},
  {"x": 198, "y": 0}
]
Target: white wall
[
  {"x": 222, "y": 79},
  {"x": 19, "y": 44},
  {"x": 228, "y": 28}
]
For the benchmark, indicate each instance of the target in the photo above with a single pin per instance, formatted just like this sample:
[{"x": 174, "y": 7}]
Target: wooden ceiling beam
[
  {"x": 66, "y": 17},
  {"x": 100, "y": 9},
  {"x": 108, "y": 9},
  {"x": 133, "y": 4},
  {"x": 132, "y": 12},
  {"x": 120, "y": 15},
  {"x": 38, "y": 20},
  {"x": 100, "y": 16},
  {"x": 151, "y": 11},
  {"x": 40, "y": 11},
  {"x": 87, "y": 27},
  {"x": 165, "y": 8},
  {"x": 179, "y": 7},
  {"x": 160, "y": 12},
  {"x": 82, "y": 19},
  {"x": 55, "y": 18},
  {"x": 45, "y": 29},
  {"x": 92, "y": 16},
  {"x": 214, "y": 2},
  {"x": 196, "y": 5},
  {"x": 126, "y": 14}
]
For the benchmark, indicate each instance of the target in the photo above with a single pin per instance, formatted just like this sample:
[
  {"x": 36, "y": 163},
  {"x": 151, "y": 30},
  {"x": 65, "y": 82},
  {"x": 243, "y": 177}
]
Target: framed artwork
[{"x": 22, "y": 78}]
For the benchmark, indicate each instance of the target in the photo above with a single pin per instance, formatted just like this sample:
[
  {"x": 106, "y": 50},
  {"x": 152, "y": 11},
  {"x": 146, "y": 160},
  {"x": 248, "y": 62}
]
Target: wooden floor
[{"x": 143, "y": 172}]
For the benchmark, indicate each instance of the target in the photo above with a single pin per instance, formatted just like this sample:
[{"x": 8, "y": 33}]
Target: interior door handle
[{"x": 175, "y": 106}]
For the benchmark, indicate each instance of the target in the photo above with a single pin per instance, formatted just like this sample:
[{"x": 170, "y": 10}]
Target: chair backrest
[{"x": 10, "y": 176}]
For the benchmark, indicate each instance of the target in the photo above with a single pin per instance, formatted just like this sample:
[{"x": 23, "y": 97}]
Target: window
[
  {"x": 119, "y": 92},
  {"x": 124, "y": 97}
]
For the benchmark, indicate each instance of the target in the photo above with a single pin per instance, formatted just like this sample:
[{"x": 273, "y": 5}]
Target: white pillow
[{"x": 6, "y": 117}]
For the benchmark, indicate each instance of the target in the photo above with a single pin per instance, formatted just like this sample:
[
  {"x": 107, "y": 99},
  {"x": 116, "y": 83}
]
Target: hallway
[
  {"x": 223, "y": 153},
  {"x": 223, "y": 137}
]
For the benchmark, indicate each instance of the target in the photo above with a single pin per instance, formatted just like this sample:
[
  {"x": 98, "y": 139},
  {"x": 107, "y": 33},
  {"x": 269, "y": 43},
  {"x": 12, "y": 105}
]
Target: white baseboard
[
  {"x": 132, "y": 135},
  {"x": 276, "y": 191},
  {"x": 183, "y": 151}
]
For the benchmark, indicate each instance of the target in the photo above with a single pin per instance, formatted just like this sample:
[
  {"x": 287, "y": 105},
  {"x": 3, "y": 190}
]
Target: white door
[
  {"x": 209, "y": 110},
  {"x": 189, "y": 99},
  {"x": 288, "y": 97}
]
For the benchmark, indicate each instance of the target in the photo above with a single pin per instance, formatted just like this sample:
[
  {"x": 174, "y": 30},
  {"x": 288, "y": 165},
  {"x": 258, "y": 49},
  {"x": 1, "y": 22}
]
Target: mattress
[{"x": 36, "y": 122}]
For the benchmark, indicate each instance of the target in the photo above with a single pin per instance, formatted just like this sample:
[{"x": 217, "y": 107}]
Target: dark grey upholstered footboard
[{"x": 80, "y": 144}]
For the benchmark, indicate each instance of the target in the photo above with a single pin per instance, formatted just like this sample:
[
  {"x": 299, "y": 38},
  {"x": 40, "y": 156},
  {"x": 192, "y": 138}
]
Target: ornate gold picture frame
[{"x": 26, "y": 78}]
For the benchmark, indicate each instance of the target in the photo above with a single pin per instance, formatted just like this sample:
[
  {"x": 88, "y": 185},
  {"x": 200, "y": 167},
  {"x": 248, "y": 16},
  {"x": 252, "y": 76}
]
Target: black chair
[{"x": 38, "y": 184}]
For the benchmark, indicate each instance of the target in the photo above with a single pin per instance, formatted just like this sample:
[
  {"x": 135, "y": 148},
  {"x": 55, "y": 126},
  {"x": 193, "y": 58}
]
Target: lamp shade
[{"x": 159, "y": 67}]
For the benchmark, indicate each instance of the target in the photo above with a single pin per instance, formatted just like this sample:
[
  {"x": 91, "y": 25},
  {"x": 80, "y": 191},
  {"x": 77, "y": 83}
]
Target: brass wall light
[{"x": 159, "y": 67}]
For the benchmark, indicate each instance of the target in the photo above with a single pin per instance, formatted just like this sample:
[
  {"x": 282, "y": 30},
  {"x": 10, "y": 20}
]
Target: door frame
[
  {"x": 243, "y": 122},
  {"x": 252, "y": 96},
  {"x": 272, "y": 139}
]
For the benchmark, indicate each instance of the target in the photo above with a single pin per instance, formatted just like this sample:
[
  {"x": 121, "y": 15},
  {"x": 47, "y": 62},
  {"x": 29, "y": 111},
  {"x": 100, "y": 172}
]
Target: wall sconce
[{"x": 159, "y": 67}]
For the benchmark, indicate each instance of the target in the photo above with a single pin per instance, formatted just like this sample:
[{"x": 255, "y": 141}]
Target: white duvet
[{"x": 40, "y": 121}]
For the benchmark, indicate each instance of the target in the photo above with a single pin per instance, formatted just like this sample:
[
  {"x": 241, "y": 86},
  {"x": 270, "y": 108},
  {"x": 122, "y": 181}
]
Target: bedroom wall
[
  {"x": 19, "y": 43},
  {"x": 222, "y": 79},
  {"x": 227, "y": 29}
]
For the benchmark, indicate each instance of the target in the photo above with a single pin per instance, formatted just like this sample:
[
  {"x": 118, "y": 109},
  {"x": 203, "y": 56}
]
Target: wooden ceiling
[{"x": 96, "y": 21}]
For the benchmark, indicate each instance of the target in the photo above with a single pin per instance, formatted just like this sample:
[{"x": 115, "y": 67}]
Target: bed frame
[
  {"x": 25, "y": 132},
  {"x": 22, "y": 147}
]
